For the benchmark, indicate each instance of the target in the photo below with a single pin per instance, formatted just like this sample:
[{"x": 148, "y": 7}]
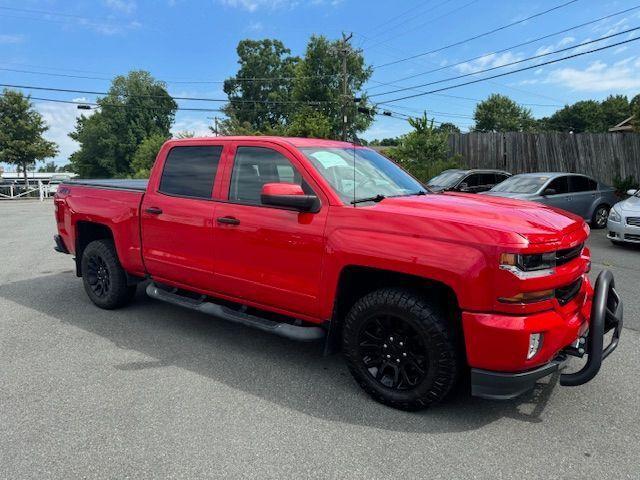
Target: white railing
[{"x": 17, "y": 191}]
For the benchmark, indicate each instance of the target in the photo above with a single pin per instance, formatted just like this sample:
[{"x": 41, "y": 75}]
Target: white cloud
[
  {"x": 255, "y": 5},
  {"x": 124, "y": 6},
  {"x": 61, "y": 119},
  {"x": 11, "y": 38},
  {"x": 198, "y": 126},
  {"x": 489, "y": 61},
  {"x": 599, "y": 76}
]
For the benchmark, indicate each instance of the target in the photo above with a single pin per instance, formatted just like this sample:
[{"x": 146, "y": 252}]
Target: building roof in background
[{"x": 624, "y": 126}]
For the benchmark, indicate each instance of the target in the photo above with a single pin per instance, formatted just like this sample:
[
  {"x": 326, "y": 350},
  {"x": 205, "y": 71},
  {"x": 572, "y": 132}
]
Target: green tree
[
  {"x": 21, "y": 129},
  {"x": 424, "y": 152},
  {"x": 48, "y": 167},
  {"x": 260, "y": 92},
  {"x": 135, "y": 108},
  {"x": 615, "y": 109},
  {"x": 308, "y": 122},
  {"x": 498, "y": 113},
  {"x": 319, "y": 83},
  {"x": 448, "y": 127},
  {"x": 634, "y": 106},
  {"x": 145, "y": 155}
]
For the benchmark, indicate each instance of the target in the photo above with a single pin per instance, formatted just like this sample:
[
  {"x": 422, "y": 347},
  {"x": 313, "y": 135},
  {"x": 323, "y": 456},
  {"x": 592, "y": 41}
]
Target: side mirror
[
  {"x": 632, "y": 192},
  {"x": 463, "y": 187},
  {"x": 288, "y": 195},
  {"x": 549, "y": 191}
]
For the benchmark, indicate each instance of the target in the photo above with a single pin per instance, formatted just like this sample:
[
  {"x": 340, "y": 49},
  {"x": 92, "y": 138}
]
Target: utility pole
[
  {"x": 215, "y": 125},
  {"x": 346, "y": 101}
]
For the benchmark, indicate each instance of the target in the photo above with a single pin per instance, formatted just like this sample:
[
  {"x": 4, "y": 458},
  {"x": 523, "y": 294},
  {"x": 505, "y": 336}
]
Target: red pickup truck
[{"x": 324, "y": 240}]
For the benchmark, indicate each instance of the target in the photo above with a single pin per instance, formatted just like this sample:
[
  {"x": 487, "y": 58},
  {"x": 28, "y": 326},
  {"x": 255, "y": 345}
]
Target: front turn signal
[{"x": 529, "y": 297}]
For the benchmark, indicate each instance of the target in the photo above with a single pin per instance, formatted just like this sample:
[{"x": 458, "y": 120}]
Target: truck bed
[{"x": 117, "y": 184}]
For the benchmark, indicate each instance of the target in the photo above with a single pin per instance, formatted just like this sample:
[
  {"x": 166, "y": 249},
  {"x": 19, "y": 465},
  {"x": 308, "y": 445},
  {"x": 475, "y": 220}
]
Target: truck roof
[{"x": 294, "y": 141}]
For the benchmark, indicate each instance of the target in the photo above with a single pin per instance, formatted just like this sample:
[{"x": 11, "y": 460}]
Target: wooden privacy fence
[{"x": 603, "y": 156}]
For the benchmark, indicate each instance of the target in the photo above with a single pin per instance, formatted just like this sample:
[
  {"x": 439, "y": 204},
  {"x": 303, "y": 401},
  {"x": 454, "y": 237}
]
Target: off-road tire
[
  {"x": 432, "y": 329},
  {"x": 110, "y": 290}
]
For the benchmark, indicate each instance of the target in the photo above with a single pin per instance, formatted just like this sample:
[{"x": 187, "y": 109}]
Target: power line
[
  {"x": 199, "y": 99},
  {"x": 475, "y": 37},
  {"x": 601, "y": 39},
  {"x": 528, "y": 42},
  {"x": 513, "y": 71},
  {"x": 98, "y": 105}
]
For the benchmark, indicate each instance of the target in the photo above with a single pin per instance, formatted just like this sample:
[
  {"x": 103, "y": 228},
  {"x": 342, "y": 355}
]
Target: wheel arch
[{"x": 356, "y": 281}]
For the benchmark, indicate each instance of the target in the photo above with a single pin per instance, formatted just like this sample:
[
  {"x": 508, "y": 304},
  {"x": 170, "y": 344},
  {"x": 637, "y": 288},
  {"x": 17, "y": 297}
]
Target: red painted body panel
[{"x": 290, "y": 262}]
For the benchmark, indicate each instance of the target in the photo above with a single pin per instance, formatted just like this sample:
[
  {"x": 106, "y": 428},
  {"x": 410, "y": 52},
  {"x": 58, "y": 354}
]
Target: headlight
[
  {"x": 529, "y": 265},
  {"x": 614, "y": 216}
]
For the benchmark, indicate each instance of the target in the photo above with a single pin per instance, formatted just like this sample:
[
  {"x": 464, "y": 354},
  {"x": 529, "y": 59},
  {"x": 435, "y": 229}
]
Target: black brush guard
[{"x": 606, "y": 315}]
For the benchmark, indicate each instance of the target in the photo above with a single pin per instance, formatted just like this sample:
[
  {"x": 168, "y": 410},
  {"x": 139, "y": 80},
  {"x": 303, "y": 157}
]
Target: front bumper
[
  {"x": 623, "y": 232},
  {"x": 606, "y": 315}
]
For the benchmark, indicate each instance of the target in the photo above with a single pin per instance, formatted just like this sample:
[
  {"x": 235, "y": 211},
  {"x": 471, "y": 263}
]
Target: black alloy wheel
[{"x": 392, "y": 352}]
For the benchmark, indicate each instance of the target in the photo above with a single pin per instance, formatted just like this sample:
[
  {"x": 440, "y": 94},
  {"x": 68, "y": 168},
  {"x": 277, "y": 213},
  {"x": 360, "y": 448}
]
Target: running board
[{"x": 293, "y": 332}]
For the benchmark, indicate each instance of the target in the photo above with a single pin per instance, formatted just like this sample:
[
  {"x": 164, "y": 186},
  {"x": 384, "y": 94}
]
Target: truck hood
[{"x": 536, "y": 222}]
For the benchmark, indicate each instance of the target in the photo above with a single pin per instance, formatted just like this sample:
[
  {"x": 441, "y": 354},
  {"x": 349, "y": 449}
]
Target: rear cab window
[{"x": 190, "y": 171}]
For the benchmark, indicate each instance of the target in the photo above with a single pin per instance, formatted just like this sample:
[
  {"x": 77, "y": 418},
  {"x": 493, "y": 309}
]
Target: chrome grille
[
  {"x": 634, "y": 238},
  {"x": 635, "y": 221}
]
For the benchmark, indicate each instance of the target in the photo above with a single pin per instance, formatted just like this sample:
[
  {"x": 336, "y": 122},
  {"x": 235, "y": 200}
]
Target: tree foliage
[
  {"x": 275, "y": 93},
  {"x": 498, "y": 113},
  {"x": 589, "y": 115},
  {"x": 21, "y": 130},
  {"x": 136, "y": 107},
  {"x": 424, "y": 152},
  {"x": 145, "y": 155}
]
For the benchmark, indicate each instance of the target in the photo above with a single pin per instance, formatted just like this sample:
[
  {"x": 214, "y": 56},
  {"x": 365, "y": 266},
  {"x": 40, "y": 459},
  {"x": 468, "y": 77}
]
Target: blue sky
[{"x": 194, "y": 41}]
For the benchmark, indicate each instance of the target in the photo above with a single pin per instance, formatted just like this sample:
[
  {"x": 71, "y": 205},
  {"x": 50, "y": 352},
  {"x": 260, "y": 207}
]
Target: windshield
[
  {"x": 521, "y": 184},
  {"x": 447, "y": 178},
  {"x": 374, "y": 175}
]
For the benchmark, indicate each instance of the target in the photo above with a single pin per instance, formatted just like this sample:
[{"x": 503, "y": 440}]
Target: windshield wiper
[{"x": 377, "y": 198}]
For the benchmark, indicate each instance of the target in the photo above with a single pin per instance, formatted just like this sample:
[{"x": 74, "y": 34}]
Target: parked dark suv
[{"x": 469, "y": 181}]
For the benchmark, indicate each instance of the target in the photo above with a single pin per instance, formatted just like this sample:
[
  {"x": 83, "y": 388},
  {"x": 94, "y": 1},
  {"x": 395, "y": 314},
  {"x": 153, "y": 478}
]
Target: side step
[{"x": 293, "y": 332}]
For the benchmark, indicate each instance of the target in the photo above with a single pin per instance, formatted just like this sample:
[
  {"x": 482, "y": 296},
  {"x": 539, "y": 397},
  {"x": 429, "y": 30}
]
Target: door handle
[
  {"x": 228, "y": 220},
  {"x": 154, "y": 210}
]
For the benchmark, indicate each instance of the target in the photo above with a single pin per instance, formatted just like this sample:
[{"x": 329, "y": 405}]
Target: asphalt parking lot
[{"x": 156, "y": 391}]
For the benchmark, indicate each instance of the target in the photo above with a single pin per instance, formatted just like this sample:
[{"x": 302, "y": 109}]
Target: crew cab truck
[{"x": 325, "y": 240}]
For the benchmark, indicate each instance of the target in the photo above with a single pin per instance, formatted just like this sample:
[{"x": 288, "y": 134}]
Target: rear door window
[
  {"x": 190, "y": 171},
  {"x": 578, "y": 183}
]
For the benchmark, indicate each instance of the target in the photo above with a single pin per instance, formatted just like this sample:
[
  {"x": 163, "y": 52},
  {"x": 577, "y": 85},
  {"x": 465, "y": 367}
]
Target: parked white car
[{"x": 624, "y": 220}]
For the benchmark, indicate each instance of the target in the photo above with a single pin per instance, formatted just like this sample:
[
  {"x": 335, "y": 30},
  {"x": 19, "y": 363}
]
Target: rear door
[
  {"x": 177, "y": 217},
  {"x": 264, "y": 254},
  {"x": 583, "y": 194}
]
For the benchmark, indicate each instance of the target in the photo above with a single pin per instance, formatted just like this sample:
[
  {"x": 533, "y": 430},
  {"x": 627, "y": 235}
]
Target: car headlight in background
[
  {"x": 614, "y": 216},
  {"x": 529, "y": 265}
]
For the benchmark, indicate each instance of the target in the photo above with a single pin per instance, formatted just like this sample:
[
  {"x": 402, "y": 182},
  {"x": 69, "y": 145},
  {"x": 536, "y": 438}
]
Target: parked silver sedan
[
  {"x": 575, "y": 193},
  {"x": 624, "y": 220}
]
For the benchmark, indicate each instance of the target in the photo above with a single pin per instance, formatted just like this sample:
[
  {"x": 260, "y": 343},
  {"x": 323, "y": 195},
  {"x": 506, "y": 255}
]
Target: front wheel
[
  {"x": 599, "y": 218},
  {"x": 401, "y": 349},
  {"x": 105, "y": 281}
]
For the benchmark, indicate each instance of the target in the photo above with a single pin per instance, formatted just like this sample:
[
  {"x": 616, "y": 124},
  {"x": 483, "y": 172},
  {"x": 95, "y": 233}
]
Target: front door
[
  {"x": 583, "y": 192},
  {"x": 177, "y": 217},
  {"x": 561, "y": 198},
  {"x": 263, "y": 254}
]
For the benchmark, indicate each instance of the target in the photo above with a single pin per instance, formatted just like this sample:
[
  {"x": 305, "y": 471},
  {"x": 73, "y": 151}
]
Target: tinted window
[
  {"x": 501, "y": 177},
  {"x": 487, "y": 179},
  {"x": 582, "y": 184},
  {"x": 190, "y": 171},
  {"x": 255, "y": 166},
  {"x": 521, "y": 184},
  {"x": 472, "y": 180},
  {"x": 560, "y": 185}
]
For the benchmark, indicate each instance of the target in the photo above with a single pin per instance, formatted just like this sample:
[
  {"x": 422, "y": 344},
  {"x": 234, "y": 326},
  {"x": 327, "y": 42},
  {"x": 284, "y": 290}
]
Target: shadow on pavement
[{"x": 292, "y": 375}]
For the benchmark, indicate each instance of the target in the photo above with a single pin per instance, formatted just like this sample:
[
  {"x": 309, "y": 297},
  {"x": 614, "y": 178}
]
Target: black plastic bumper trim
[
  {"x": 60, "y": 246},
  {"x": 505, "y": 386}
]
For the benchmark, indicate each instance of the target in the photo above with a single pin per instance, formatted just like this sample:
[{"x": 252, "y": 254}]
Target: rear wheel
[
  {"x": 599, "y": 218},
  {"x": 401, "y": 349},
  {"x": 105, "y": 281}
]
